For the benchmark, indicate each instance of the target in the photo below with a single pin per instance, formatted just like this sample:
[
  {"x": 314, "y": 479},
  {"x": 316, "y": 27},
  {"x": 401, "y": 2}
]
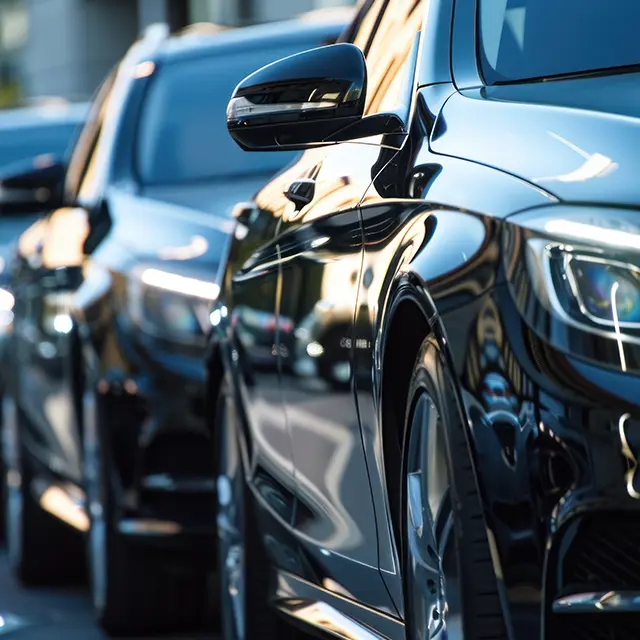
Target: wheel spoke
[{"x": 432, "y": 575}]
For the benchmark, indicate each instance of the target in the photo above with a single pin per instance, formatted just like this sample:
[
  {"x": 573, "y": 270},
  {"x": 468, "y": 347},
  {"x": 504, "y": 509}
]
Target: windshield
[
  {"x": 24, "y": 143},
  {"x": 525, "y": 39},
  {"x": 183, "y": 134}
]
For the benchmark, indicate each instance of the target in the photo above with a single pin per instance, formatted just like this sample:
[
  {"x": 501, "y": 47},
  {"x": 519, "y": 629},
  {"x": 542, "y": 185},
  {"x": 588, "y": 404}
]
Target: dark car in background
[
  {"x": 114, "y": 292},
  {"x": 46, "y": 129},
  {"x": 34, "y": 143},
  {"x": 466, "y": 215}
]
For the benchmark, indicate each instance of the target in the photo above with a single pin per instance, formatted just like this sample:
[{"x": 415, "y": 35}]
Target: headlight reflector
[
  {"x": 592, "y": 281},
  {"x": 171, "y": 306}
]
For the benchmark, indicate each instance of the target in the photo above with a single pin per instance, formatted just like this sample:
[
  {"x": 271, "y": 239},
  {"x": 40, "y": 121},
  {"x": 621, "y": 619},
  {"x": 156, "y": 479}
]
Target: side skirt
[{"x": 325, "y": 611}]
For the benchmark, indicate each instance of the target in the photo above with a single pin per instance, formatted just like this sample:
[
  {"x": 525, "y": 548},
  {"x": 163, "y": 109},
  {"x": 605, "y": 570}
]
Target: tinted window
[
  {"x": 540, "y": 38},
  {"x": 391, "y": 55},
  {"x": 24, "y": 143},
  {"x": 183, "y": 134}
]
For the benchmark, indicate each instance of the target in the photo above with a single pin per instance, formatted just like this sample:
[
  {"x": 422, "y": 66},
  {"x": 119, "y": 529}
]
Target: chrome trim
[
  {"x": 149, "y": 527},
  {"x": 599, "y": 602},
  {"x": 165, "y": 482},
  {"x": 336, "y": 615}
]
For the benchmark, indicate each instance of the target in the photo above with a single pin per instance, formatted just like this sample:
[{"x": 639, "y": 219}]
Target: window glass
[
  {"x": 183, "y": 135},
  {"x": 389, "y": 59},
  {"x": 523, "y": 39},
  {"x": 88, "y": 139},
  {"x": 371, "y": 14}
]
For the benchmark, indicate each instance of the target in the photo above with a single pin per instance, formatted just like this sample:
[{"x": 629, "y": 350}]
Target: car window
[
  {"x": 367, "y": 20},
  {"x": 389, "y": 58},
  {"x": 183, "y": 135},
  {"x": 523, "y": 39},
  {"x": 23, "y": 143},
  {"x": 88, "y": 139}
]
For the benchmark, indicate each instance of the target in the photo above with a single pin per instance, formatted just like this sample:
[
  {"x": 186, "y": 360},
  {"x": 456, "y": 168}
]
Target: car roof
[
  {"x": 44, "y": 115},
  {"x": 314, "y": 30}
]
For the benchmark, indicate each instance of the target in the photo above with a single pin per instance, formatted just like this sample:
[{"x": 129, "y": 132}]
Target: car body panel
[
  {"x": 444, "y": 225},
  {"x": 578, "y": 134},
  {"x": 134, "y": 271}
]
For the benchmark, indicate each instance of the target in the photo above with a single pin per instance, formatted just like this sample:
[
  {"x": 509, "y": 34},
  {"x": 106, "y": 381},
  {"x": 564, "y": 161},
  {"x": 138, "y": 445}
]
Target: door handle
[{"x": 301, "y": 192}]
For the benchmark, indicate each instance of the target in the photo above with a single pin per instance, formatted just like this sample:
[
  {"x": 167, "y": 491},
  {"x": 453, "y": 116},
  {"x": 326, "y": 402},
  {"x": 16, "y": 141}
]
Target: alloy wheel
[
  {"x": 230, "y": 522},
  {"x": 433, "y": 587}
]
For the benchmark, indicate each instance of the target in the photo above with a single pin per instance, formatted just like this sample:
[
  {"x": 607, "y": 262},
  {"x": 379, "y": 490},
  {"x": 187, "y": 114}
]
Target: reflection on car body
[
  {"x": 452, "y": 450},
  {"x": 114, "y": 299}
]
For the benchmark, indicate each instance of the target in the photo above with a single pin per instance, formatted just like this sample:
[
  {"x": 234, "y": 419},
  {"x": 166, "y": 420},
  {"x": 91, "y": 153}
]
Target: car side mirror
[
  {"x": 312, "y": 98},
  {"x": 32, "y": 186}
]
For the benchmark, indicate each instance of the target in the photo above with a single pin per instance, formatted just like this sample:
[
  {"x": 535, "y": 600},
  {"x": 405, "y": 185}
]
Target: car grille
[{"x": 604, "y": 555}]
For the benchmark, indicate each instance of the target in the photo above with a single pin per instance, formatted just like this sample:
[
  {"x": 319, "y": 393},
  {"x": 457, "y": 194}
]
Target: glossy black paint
[
  {"x": 91, "y": 278},
  {"x": 446, "y": 230},
  {"x": 299, "y": 99}
]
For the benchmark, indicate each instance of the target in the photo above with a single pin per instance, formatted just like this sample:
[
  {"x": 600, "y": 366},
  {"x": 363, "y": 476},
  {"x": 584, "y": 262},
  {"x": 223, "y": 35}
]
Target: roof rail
[
  {"x": 156, "y": 32},
  {"x": 203, "y": 28}
]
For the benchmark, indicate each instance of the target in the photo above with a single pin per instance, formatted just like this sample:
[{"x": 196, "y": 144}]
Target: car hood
[
  {"x": 577, "y": 139},
  {"x": 217, "y": 197},
  {"x": 172, "y": 237}
]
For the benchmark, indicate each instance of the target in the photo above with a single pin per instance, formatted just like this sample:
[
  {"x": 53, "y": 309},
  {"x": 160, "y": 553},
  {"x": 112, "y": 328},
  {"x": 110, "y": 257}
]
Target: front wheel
[
  {"x": 243, "y": 565},
  {"x": 41, "y": 549},
  {"x": 136, "y": 589},
  {"x": 450, "y": 586}
]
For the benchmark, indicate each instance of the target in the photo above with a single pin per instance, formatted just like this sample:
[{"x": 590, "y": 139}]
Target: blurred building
[{"x": 65, "y": 47}]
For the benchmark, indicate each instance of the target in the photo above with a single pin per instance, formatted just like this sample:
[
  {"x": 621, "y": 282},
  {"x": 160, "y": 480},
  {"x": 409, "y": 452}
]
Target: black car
[
  {"x": 467, "y": 213},
  {"x": 114, "y": 290},
  {"x": 34, "y": 142}
]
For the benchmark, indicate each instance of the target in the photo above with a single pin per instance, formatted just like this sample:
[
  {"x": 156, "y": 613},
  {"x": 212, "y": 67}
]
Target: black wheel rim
[
  {"x": 13, "y": 489},
  {"x": 230, "y": 524},
  {"x": 432, "y": 581}
]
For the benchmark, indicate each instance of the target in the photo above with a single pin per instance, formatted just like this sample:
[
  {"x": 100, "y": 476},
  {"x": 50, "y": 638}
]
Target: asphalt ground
[{"x": 52, "y": 614}]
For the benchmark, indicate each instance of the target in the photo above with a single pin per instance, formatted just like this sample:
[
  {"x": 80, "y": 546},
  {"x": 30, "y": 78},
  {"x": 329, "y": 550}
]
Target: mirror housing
[
  {"x": 312, "y": 98},
  {"x": 32, "y": 186}
]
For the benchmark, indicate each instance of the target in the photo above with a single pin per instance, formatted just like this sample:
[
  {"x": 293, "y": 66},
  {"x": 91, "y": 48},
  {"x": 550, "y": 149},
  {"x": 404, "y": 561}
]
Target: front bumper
[{"x": 555, "y": 481}]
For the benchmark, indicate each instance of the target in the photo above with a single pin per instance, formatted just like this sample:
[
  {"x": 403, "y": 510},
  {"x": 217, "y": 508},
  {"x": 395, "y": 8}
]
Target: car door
[
  {"x": 48, "y": 271},
  {"x": 252, "y": 275},
  {"x": 392, "y": 222},
  {"x": 320, "y": 252}
]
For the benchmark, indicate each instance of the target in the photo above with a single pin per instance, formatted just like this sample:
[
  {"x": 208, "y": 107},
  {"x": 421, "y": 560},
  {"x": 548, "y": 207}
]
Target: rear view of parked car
[{"x": 114, "y": 292}]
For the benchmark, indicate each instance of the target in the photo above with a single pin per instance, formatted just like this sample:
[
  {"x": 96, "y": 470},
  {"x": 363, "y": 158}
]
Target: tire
[
  {"x": 136, "y": 589},
  {"x": 450, "y": 583},
  {"x": 41, "y": 549},
  {"x": 244, "y": 569}
]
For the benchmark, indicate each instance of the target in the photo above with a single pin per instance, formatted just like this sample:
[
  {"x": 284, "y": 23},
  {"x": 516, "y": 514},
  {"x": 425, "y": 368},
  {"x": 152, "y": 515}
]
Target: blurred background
[{"x": 64, "y": 48}]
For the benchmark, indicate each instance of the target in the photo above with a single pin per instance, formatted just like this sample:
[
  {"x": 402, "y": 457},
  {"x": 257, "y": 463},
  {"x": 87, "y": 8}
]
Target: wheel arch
[{"x": 411, "y": 316}]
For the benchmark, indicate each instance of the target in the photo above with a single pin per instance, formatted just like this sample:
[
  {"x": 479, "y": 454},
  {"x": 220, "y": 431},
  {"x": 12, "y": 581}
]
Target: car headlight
[
  {"x": 607, "y": 292},
  {"x": 575, "y": 276},
  {"x": 171, "y": 306}
]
